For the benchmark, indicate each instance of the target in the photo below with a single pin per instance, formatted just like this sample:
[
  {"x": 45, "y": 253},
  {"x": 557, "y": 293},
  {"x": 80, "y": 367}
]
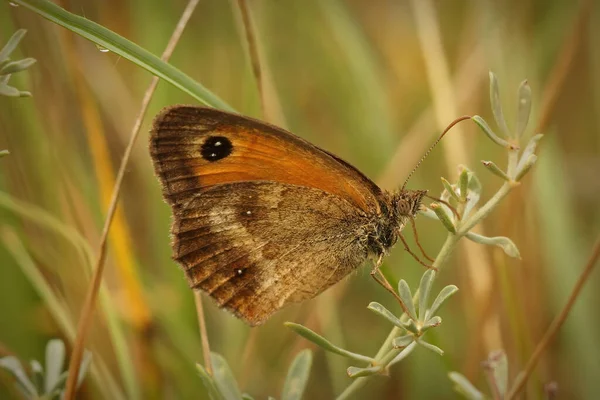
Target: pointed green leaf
[
  {"x": 428, "y": 212},
  {"x": 494, "y": 169},
  {"x": 443, "y": 216},
  {"x": 297, "y": 376},
  {"x": 529, "y": 150},
  {"x": 444, "y": 294},
  {"x": 326, "y": 344},
  {"x": 37, "y": 376},
  {"x": 24, "y": 93},
  {"x": 464, "y": 387},
  {"x": 55, "y": 360},
  {"x": 59, "y": 387},
  {"x": 485, "y": 128},
  {"x": 463, "y": 182},
  {"x": 224, "y": 378},
  {"x": 407, "y": 300},
  {"x": 503, "y": 242},
  {"x": 385, "y": 313},
  {"x": 430, "y": 347},
  {"x": 498, "y": 364},
  {"x": 523, "y": 108},
  {"x": 413, "y": 327},
  {"x": 17, "y": 66},
  {"x": 6, "y": 90},
  {"x": 13, "y": 365},
  {"x": 356, "y": 372},
  {"x": 12, "y": 44},
  {"x": 424, "y": 290},
  {"x": 402, "y": 341},
  {"x": 448, "y": 186},
  {"x": 526, "y": 167},
  {"x": 431, "y": 323},
  {"x": 209, "y": 383},
  {"x": 403, "y": 354},
  {"x": 474, "y": 194},
  {"x": 246, "y": 396},
  {"x": 497, "y": 105}
]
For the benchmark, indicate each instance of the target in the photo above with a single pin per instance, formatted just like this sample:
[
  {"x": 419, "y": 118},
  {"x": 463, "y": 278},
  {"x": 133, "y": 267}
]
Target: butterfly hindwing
[{"x": 256, "y": 246}]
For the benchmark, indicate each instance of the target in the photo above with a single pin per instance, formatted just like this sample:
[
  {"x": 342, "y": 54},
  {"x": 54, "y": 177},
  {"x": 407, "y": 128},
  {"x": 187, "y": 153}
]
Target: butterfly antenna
[{"x": 456, "y": 121}]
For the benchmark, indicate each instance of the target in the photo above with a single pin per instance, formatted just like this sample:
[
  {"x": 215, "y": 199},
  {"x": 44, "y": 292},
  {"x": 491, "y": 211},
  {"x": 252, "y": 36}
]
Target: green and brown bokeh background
[{"x": 364, "y": 80}]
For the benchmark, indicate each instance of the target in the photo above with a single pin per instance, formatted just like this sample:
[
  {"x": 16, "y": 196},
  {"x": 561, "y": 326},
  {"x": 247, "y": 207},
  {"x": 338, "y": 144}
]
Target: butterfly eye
[{"x": 216, "y": 148}]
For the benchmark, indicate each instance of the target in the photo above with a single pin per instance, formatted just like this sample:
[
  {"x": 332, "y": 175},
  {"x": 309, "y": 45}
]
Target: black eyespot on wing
[{"x": 216, "y": 148}]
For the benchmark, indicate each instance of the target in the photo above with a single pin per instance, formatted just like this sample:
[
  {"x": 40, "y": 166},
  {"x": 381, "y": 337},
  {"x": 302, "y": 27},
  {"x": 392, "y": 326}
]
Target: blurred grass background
[{"x": 358, "y": 79}]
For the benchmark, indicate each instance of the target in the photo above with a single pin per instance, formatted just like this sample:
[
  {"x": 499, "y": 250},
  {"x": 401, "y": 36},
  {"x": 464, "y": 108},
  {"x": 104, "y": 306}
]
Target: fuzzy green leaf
[
  {"x": 496, "y": 105},
  {"x": 403, "y": 341},
  {"x": 407, "y": 299},
  {"x": 443, "y": 216},
  {"x": 463, "y": 182},
  {"x": 485, "y": 128},
  {"x": 424, "y": 290},
  {"x": 326, "y": 344},
  {"x": 430, "y": 347},
  {"x": 474, "y": 194},
  {"x": 224, "y": 378},
  {"x": 297, "y": 376},
  {"x": 428, "y": 212},
  {"x": 12, "y": 44},
  {"x": 209, "y": 383},
  {"x": 525, "y": 167},
  {"x": 464, "y": 387},
  {"x": 55, "y": 360},
  {"x": 523, "y": 108},
  {"x": 503, "y": 242},
  {"x": 448, "y": 186},
  {"x": 498, "y": 364},
  {"x": 37, "y": 375},
  {"x": 385, "y": 313},
  {"x": 494, "y": 169},
  {"x": 529, "y": 150},
  {"x": 356, "y": 372},
  {"x": 9, "y": 91},
  {"x": 13, "y": 365},
  {"x": 431, "y": 323},
  {"x": 444, "y": 294},
  {"x": 17, "y": 66},
  {"x": 4, "y": 153}
]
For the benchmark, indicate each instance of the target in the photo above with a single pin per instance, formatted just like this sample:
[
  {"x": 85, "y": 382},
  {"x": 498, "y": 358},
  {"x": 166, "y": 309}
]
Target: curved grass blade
[{"x": 109, "y": 40}]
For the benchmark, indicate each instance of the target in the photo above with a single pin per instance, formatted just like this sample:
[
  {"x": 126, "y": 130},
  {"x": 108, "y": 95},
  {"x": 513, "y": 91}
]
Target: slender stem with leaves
[{"x": 419, "y": 316}]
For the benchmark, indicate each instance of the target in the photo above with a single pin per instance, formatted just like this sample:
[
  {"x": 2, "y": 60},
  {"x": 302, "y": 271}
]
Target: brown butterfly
[{"x": 261, "y": 217}]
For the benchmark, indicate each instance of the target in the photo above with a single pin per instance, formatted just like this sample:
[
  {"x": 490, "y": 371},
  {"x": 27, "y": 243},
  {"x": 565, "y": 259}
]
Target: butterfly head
[{"x": 407, "y": 203}]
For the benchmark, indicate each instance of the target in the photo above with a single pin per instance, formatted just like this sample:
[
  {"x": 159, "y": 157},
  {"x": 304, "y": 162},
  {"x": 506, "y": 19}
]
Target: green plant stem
[
  {"x": 484, "y": 211},
  {"x": 384, "y": 361},
  {"x": 443, "y": 256}
]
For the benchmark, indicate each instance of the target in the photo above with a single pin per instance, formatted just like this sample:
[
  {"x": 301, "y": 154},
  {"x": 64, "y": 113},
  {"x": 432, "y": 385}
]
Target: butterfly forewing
[{"x": 195, "y": 148}]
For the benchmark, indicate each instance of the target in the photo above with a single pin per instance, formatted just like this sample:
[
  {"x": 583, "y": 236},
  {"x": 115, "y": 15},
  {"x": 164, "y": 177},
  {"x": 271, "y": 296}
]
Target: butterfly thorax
[{"x": 397, "y": 209}]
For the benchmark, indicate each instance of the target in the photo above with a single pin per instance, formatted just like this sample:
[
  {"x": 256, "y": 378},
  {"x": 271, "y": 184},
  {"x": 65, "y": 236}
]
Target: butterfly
[{"x": 263, "y": 218}]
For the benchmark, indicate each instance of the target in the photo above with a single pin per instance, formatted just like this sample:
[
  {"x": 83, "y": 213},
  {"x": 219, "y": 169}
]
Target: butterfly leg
[
  {"x": 379, "y": 278},
  {"x": 414, "y": 229},
  {"x": 414, "y": 255}
]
